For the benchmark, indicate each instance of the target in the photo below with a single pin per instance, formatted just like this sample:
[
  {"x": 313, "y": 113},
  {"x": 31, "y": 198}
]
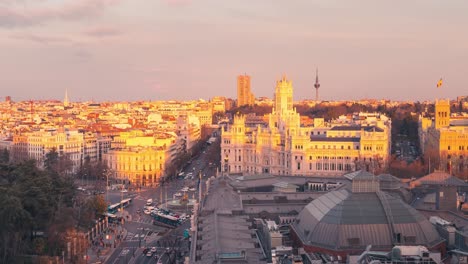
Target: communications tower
[{"x": 317, "y": 86}]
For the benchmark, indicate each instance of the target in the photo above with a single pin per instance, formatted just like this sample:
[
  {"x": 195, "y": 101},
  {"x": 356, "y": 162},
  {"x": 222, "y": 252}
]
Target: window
[
  {"x": 448, "y": 147},
  {"x": 298, "y": 165}
]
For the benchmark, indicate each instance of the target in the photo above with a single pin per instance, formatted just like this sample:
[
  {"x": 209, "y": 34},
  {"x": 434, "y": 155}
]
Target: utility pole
[
  {"x": 107, "y": 186},
  {"x": 165, "y": 201}
]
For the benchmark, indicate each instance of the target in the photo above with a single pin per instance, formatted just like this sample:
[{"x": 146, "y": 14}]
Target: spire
[
  {"x": 65, "y": 100},
  {"x": 316, "y": 85}
]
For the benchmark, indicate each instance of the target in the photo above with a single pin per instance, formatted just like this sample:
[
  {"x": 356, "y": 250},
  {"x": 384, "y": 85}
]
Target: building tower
[
  {"x": 442, "y": 113},
  {"x": 65, "y": 100},
  {"x": 244, "y": 95},
  {"x": 317, "y": 86},
  {"x": 283, "y": 95}
]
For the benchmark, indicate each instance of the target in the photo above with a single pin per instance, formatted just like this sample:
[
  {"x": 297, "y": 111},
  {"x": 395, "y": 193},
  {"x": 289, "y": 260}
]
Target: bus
[
  {"x": 112, "y": 218},
  {"x": 166, "y": 219},
  {"x": 126, "y": 202},
  {"x": 113, "y": 208}
]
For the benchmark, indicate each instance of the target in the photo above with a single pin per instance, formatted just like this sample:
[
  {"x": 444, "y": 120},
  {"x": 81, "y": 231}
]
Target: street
[{"x": 141, "y": 233}]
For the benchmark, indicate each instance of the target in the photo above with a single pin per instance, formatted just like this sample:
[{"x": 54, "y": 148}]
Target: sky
[{"x": 116, "y": 50}]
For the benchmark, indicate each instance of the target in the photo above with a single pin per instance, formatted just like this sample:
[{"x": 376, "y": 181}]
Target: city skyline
[{"x": 115, "y": 50}]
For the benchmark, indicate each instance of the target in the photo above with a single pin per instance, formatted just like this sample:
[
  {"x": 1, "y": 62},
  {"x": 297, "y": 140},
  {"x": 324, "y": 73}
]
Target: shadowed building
[{"x": 345, "y": 222}]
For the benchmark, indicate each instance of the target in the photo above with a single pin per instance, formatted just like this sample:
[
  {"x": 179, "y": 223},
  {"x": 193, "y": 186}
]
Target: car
[
  {"x": 192, "y": 189},
  {"x": 149, "y": 254},
  {"x": 154, "y": 249},
  {"x": 185, "y": 189},
  {"x": 178, "y": 194},
  {"x": 124, "y": 191},
  {"x": 149, "y": 202}
]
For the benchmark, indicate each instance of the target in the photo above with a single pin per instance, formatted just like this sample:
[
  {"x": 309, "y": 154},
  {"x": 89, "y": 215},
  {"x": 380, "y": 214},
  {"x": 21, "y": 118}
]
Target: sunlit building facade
[
  {"x": 142, "y": 158},
  {"x": 138, "y": 165},
  {"x": 74, "y": 144},
  {"x": 444, "y": 139},
  {"x": 285, "y": 147},
  {"x": 244, "y": 94}
]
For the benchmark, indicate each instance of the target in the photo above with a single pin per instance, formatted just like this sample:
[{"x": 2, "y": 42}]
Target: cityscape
[{"x": 195, "y": 132}]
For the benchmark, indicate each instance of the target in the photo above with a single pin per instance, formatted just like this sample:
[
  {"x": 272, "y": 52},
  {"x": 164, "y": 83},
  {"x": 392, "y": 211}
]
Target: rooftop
[
  {"x": 343, "y": 220},
  {"x": 439, "y": 178}
]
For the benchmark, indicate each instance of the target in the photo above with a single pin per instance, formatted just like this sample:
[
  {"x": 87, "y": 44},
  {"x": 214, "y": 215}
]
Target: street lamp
[{"x": 107, "y": 172}]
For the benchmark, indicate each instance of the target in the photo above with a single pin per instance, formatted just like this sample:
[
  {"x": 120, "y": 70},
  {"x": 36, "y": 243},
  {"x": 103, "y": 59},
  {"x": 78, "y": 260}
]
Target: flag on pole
[{"x": 439, "y": 83}]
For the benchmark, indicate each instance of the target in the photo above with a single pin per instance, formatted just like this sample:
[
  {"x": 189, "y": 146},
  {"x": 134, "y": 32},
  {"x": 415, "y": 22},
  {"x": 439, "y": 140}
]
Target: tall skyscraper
[
  {"x": 244, "y": 95},
  {"x": 316, "y": 85}
]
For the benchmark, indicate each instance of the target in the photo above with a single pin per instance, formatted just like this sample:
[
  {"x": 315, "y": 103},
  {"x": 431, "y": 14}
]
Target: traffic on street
[{"x": 151, "y": 238}]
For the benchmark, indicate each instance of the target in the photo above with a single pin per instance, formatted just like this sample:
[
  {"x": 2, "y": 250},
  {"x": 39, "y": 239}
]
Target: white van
[{"x": 149, "y": 202}]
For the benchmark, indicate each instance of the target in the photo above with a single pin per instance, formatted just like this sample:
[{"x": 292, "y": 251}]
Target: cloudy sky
[{"x": 188, "y": 49}]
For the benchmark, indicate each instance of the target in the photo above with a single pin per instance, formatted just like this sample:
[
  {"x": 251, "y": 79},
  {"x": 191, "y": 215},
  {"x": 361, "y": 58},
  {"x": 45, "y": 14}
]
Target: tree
[
  {"x": 35, "y": 201},
  {"x": 4, "y": 156},
  {"x": 98, "y": 205},
  {"x": 51, "y": 160},
  {"x": 13, "y": 222}
]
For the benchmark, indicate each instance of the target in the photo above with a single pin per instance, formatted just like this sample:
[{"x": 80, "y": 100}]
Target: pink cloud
[
  {"x": 22, "y": 15},
  {"x": 101, "y": 32},
  {"x": 43, "y": 39},
  {"x": 178, "y": 2}
]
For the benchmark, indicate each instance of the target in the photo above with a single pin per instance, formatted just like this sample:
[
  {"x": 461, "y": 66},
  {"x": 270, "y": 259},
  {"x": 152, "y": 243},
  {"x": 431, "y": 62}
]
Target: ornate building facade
[
  {"x": 285, "y": 147},
  {"x": 142, "y": 158},
  {"x": 444, "y": 139}
]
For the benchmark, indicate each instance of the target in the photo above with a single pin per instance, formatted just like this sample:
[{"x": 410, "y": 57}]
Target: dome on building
[
  {"x": 344, "y": 221},
  {"x": 389, "y": 182}
]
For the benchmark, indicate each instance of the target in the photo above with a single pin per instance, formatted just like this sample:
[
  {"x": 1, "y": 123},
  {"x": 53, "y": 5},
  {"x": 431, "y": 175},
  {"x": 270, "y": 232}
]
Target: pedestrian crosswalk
[
  {"x": 143, "y": 221},
  {"x": 138, "y": 197}
]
